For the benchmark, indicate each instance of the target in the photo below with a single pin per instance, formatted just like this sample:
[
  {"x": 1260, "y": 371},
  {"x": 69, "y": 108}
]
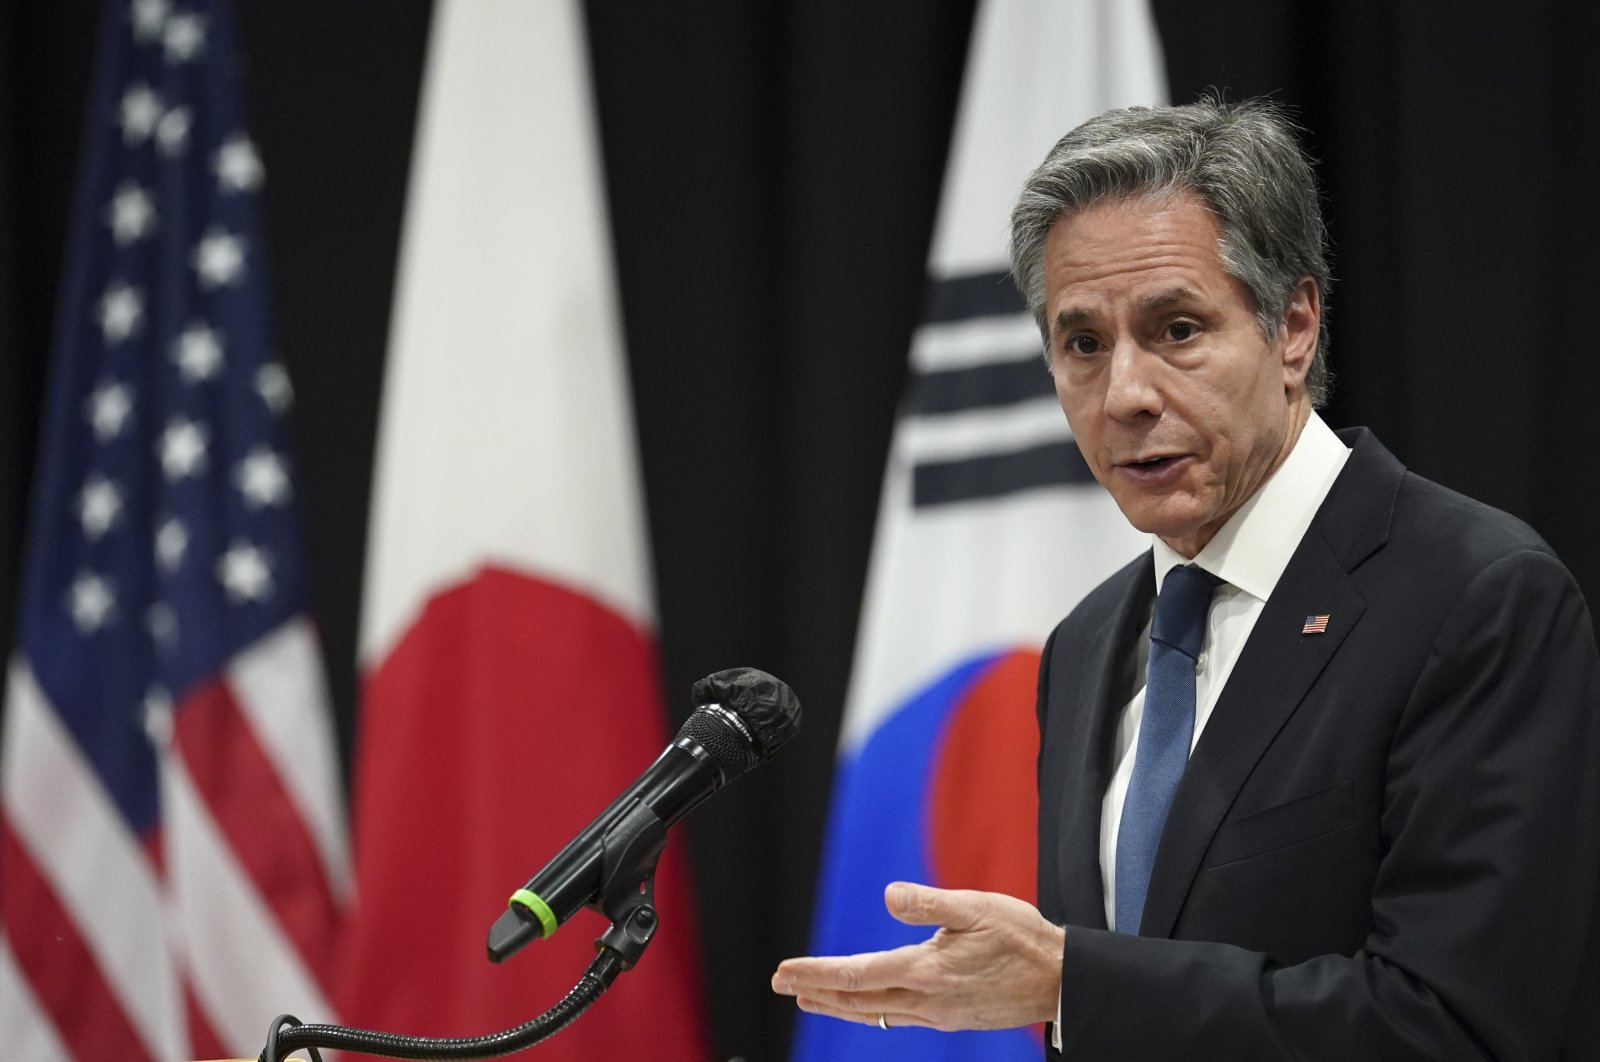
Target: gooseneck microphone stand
[{"x": 632, "y": 849}]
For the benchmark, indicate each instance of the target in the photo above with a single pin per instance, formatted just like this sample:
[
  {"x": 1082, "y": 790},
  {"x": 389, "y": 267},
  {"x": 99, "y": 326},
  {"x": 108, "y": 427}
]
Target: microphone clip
[{"x": 627, "y": 883}]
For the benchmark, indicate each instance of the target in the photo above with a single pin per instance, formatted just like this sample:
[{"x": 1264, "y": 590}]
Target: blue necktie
[{"x": 1176, "y": 632}]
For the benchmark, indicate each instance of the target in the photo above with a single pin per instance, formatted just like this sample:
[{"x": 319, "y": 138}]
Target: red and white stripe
[
  {"x": 188, "y": 941},
  {"x": 102, "y": 970}
]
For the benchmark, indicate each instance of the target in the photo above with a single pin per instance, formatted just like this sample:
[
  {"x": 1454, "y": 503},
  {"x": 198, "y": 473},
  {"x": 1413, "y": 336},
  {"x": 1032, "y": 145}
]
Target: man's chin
[
  {"x": 1157, "y": 516},
  {"x": 1173, "y": 524}
]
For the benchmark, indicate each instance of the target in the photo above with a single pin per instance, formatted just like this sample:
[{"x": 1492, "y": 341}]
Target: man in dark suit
[{"x": 1319, "y": 775}]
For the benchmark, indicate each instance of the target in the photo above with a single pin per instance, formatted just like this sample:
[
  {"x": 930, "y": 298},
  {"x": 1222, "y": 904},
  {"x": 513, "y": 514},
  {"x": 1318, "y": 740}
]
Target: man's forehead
[
  {"x": 1156, "y": 301},
  {"x": 1149, "y": 252}
]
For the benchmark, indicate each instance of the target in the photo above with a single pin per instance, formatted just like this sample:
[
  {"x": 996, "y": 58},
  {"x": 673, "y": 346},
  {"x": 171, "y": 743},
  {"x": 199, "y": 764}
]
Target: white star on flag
[
  {"x": 158, "y": 717},
  {"x": 237, "y": 165},
  {"x": 121, "y": 311},
  {"x": 109, "y": 406},
  {"x": 172, "y": 540},
  {"x": 162, "y": 622},
  {"x": 140, "y": 111},
  {"x": 244, "y": 573},
  {"x": 183, "y": 449},
  {"x": 149, "y": 17},
  {"x": 98, "y": 505},
  {"x": 131, "y": 214},
  {"x": 272, "y": 384},
  {"x": 262, "y": 479},
  {"x": 218, "y": 258},
  {"x": 172, "y": 132},
  {"x": 198, "y": 353},
  {"x": 184, "y": 38},
  {"x": 90, "y": 601}
]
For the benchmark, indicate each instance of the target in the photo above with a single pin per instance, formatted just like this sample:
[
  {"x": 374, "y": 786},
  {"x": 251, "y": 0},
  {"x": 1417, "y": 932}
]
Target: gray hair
[{"x": 1244, "y": 163}]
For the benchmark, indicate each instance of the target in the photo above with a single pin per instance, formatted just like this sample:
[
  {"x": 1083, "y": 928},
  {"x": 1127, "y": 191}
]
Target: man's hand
[{"x": 995, "y": 962}]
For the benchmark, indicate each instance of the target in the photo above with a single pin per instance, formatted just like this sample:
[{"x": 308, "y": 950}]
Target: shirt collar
[{"x": 1253, "y": 548}]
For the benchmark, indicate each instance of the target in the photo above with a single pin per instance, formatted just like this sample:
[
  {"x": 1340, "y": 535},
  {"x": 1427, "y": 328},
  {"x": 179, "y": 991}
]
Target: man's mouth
[
  {"x": 1152, "y": 463},
  {"x": 1153, "y": 469}
]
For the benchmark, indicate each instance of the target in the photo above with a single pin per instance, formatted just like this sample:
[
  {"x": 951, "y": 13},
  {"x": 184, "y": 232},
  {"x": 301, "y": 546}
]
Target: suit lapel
[
  {"x": 1277, "y": 667},
  {"x": 1092, "y": 697}
]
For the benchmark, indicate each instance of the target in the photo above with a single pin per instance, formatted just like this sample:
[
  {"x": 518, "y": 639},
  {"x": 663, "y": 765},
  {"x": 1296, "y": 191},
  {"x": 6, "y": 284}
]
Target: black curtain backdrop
[{"x": 773, "y": 171}]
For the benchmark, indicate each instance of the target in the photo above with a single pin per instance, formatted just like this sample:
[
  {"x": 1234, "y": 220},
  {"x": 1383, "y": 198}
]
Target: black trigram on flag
[{"x": 980, "y": 403}]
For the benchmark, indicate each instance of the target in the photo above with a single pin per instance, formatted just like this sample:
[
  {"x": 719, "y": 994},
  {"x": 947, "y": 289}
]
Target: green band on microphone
[{"x": 540, "y": 909}]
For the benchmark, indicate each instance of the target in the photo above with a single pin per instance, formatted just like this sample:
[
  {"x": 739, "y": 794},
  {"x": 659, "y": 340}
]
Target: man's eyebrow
[
  {"x": 1167, "y": 299},
  {"x": 1171, "y": 298},
  {"x": 1071, "y": 319}
]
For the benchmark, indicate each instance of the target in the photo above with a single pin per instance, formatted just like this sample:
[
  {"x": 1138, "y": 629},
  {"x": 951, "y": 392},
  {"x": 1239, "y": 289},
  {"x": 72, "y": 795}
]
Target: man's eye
[
  {"x": 1178, "y": 331},
  {"x": 1082, "y": 345}
]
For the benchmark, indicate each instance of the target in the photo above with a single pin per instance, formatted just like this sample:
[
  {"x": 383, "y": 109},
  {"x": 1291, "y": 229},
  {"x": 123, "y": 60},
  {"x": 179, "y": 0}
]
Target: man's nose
[{"x": 1133, "y": 382}]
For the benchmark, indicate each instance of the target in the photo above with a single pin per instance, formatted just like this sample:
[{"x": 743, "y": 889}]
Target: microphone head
[{"x": 742, "y": 717}]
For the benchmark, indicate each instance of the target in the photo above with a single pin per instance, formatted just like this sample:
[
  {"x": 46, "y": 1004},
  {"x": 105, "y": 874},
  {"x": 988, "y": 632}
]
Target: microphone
[{"x": 743, "y": 717}]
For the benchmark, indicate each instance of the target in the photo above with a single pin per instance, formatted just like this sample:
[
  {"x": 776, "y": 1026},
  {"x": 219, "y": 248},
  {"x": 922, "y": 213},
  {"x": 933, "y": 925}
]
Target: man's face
[{"x": 1181, "y": 407}]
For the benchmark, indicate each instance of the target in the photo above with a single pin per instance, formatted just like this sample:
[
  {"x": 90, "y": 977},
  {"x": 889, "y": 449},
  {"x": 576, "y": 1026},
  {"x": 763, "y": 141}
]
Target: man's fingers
[
  {"x": 922, "y": 905},
  {"x": 868, "y": 972},
  {"x": 851, "y": 987},
  {"x": 891, "y": 1019},
  {"x": 893, "y": 1000}
]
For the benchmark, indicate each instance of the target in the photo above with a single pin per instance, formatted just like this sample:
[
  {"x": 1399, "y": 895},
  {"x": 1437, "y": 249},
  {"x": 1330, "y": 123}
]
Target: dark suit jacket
[{"x": 1387, "y": 841}]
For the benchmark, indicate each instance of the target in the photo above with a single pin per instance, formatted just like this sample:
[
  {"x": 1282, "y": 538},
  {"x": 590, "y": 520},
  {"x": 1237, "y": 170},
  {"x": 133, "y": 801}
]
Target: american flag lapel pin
[{"x": 1316, "y": 624}]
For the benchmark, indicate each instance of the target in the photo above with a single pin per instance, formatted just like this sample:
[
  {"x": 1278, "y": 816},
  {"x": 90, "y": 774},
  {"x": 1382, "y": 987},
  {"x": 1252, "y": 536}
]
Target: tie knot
[{"x": 1181, "y": 607}]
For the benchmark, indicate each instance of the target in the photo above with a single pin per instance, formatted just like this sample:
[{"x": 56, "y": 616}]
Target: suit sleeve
[{"x": 1484, "y": 893}]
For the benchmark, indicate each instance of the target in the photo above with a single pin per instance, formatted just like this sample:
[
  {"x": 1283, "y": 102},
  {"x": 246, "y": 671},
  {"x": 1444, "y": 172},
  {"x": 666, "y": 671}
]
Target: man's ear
[{"x": 1301, "y": 329}]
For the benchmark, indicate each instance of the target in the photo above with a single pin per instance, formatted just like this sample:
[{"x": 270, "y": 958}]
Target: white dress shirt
[{"x": 1248, "y": 553}]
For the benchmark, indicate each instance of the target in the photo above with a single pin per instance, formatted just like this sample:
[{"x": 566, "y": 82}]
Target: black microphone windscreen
[{"x": 766, "y": 706}]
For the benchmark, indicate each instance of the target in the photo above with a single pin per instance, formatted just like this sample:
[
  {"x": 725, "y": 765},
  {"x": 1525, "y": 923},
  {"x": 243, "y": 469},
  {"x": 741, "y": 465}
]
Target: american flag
[
  {"x": 172, "y": 846},
  {"x": 1316, "y": 624}
]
